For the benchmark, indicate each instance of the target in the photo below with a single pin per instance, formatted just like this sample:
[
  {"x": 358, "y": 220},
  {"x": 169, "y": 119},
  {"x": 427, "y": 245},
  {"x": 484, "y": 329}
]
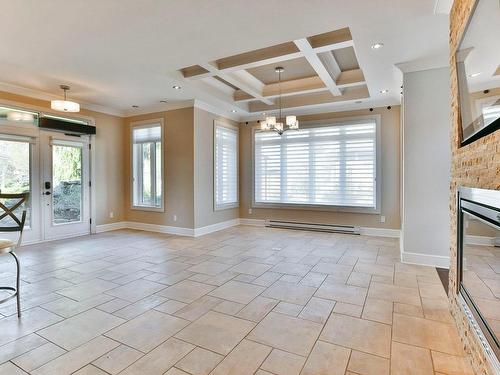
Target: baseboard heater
[{"x": 332, "y": 228}]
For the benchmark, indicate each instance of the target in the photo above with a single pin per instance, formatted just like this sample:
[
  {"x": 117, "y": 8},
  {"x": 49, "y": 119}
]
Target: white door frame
[{"x": 21, "y": 129}]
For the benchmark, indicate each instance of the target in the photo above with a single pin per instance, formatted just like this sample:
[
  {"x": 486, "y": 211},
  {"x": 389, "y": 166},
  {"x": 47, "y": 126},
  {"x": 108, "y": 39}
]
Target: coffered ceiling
[
  {"x": 116, "y": 54},
  {"x": 318, "y": 69}
]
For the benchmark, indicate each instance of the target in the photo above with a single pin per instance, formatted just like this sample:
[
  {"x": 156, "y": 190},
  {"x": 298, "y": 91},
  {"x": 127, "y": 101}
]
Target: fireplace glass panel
[{"x": 481, "y": 269}]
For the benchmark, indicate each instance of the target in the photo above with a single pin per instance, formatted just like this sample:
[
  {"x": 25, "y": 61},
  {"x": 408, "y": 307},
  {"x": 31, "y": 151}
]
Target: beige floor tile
[
  {"x": 363, "y": 335},
  {"x": 229, "y": 307},
  {"x": 367, "y": 364},
  {"x": 374, "y": 269},
  {"x": 251, "y": 268},
  {"x": 410, "y": 360},
  {"x": 217, "y": 332},
  {"x": 169, "y": 267},
  {"x": 32, "y": 320},
  {"x": 359, "y": 279},
  {"x": 237, "y": 292},
  {"x": 313, "y": 279},
  {"x": 170, "y": 306},
  {"x": 287, "y": 292},
  {"x": 90, "y": 370},
  {"x": 136, "y": 290},
  {"x": 87, "y": 289},
  {"x": 257, "y": 309},
  {"x": 186, "y": 291},
  {"x": 394, "y": 293},
  {"x": 77, "y": 358},
  {"x": 67, "y": 307},
  {"x": 287, "y": 333},
  {"x": 426, "y": 333},
  {"x": 137, "y": 308},
  {"x": 348, "y": 309},
  {"x": 437, "y": 309},
  {"x": 176, "y": 371},
  {"x": 198, "y": 308},
  {"x": 9, "y": 368},
  {"x": 118, "y": 359},
  {"x": 326, "y": 359},
  {"x": 340, "y": 271},
  {"x": 209, "y": 268},
  {"x": 288, "y": 308},
  {"x": 428, "y": 290},
  {"x": 295, "y": 269},
  {"x": 450, "y": 364},
  {"x": 410, "y": 310},
  {"x": 199, "y": 362},
  {"x": 38, "y": 357},
  {"x": 147, "y": 330},
  {"x": 317, "y": 310},
  {"x": 342, "y": 293},
  {"x": 378, "y": 310},
  {"x": 283, "y": 363},
  {"x": 113, "y": 305},
  {"x": 245, "y": 359},
  {"x": 79, "y": 329},
  {"x": 267, "y": 278},
  {"x": 20, "y": 346},
  {"x": 159, "y": 360}
]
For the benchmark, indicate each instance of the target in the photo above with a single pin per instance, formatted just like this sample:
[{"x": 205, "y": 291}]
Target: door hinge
[
  {"x": 90, "y": 146},
  {"x": 90, "y": 183},
  {"x": 90, "y": 220}
]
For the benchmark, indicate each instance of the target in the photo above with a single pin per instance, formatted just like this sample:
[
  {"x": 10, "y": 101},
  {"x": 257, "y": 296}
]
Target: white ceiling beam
[
  {"x": 315, "y": 62},
  {"x": 243, "y": 80}
]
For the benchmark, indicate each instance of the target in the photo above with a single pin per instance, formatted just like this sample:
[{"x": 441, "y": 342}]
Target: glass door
[
  {"x": 65, "y": 185},
  {"x": 18, "y": 171}
]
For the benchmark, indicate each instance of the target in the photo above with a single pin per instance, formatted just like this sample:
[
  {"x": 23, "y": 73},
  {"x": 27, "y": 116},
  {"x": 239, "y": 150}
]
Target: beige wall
[
  {"x": 178, "y": 170},
  {"x": 390, "y": 138},
  {"x": 204, "y": 213},
  {"x": 108, "y": 145}
]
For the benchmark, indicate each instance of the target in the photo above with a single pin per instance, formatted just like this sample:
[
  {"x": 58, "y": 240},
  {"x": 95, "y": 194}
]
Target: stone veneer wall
[{"x": 475, "y": 165}]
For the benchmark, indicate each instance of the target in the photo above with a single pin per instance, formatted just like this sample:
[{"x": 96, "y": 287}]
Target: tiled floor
[{"x": 241, "y": 301}]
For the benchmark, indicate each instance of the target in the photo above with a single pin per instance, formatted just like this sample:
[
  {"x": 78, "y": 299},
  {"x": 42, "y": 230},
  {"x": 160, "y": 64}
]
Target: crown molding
[
  {"x": 162, "y": 107},
  {"x": 38, "y": 94},
  {"x": 425, "y": 63}
]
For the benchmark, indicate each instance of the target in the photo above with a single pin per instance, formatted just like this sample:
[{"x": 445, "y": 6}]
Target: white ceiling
[{"x": 119, "y": 53}]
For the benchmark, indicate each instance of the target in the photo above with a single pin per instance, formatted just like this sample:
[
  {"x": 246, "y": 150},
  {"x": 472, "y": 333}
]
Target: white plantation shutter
[
  {"x": 332, "y": 165},
  {"x": 226, "y": 166}
]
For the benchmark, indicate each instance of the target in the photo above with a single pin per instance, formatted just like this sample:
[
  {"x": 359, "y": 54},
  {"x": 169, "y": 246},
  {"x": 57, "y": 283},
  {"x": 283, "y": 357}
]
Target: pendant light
[{"x": 64, "y": 105}]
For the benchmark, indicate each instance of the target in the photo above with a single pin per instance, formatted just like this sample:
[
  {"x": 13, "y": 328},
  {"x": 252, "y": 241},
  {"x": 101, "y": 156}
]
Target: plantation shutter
[{"x": 226, "y": 166}]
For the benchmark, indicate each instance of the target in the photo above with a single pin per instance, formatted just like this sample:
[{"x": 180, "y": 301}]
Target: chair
[{"x": 10, "y": 222}]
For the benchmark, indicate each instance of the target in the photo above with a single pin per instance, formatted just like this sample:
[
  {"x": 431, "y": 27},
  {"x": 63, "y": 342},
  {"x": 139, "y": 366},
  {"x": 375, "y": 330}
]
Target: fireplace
[{"x": 479, "y": 265}]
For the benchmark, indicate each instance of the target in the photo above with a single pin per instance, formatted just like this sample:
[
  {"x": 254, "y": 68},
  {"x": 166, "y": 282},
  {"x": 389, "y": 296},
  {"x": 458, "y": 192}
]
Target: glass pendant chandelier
[
  {"x": 271, "y": 123},
  {"x": 64, "y": 105}
]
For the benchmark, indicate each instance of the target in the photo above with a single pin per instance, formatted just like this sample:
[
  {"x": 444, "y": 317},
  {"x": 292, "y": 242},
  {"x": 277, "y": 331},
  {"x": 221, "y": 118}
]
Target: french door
[
  {"x": 65, "y": 188},
  {"x": 54, "y": 169}
]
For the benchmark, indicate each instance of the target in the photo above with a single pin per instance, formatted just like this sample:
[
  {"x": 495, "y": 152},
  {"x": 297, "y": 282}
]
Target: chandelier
[
  {"x": 271, "y": 123},
  {"x": 64, "y": 105}
]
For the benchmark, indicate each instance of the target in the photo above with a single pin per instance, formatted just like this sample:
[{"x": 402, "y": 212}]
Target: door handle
[{"x": 47, "y": 193}]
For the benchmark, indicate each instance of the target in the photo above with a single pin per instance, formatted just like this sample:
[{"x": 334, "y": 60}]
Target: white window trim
[
  {"x": 221, "y": 207},
  {"x": 313, "y": 207},
  {"x": 145, "y": 124}
]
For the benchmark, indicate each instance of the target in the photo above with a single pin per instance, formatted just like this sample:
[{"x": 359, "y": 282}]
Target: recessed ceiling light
[
  {"x": 474, "y": 74},
  {"x": 385, "y": 91},
  {"x": 135, "y": 106},
  {"x": 233, "y": 110},
  {"x": 163, "y": 101},
  {"x": 177, "y": 87},
  {"x": 377, "y": 45}
]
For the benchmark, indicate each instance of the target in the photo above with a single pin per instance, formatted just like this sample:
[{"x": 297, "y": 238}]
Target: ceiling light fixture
[
  {"x": 474, "y": 74},
  {"x": 64, "y": 105},
  {"x": 377, "y": 45},
  {"x": 271, "y": 123},
  {"x": 177, "y": 87},
  {"x": 163, "y": 101},
  {"x": 385, "y": 91}
]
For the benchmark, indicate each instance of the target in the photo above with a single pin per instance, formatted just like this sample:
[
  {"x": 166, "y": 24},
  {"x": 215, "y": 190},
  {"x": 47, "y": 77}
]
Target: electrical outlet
[
  {"x": 249, "y": 211},
  {"x": 382, "y": 219},
  {"x": 175, "y": 217},
  {"x": 111, "y": 214}
]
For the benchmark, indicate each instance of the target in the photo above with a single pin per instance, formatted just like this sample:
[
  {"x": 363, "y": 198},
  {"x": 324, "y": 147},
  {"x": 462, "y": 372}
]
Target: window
[
  {"x": 147, "y": 176},
  {"x": 225, "y": 166},
  {"x": 328, "y": 165}
]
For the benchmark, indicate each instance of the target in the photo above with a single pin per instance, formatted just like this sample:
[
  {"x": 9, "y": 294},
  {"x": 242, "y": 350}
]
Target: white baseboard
[
  {"x": 108, "y": 227},
  {"x": 253, "y": 222},
  {"x": 179, "y": 231},
  {"x": 480, "y": 240},
  {"x": 380, "y": 232},
  {"x": 426, "y": 259},
  {"x": 215, "y": 227}
]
